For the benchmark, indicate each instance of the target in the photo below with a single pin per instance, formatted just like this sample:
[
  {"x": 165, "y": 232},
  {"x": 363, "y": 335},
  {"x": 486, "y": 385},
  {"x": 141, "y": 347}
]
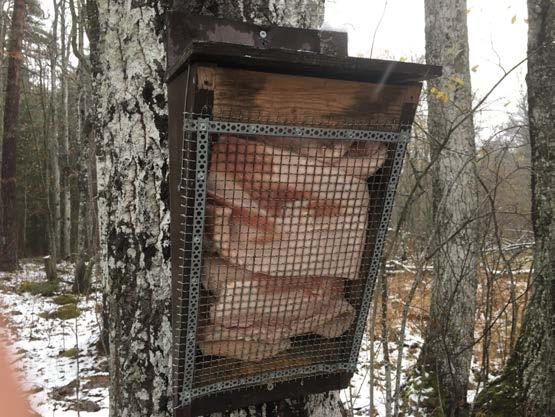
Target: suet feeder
[{"x": 284, "y": 158}]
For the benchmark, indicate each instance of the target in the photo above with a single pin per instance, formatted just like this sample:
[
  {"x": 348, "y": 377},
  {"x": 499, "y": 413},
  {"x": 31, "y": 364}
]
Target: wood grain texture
[{"x": 290, "y": 97}]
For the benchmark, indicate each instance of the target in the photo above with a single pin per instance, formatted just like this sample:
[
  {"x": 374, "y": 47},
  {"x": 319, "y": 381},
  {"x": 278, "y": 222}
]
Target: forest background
[{"x": 63, "y": 205}]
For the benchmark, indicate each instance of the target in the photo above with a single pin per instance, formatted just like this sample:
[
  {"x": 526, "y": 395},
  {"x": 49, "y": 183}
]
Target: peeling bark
[{"x": 447, "y": 349}]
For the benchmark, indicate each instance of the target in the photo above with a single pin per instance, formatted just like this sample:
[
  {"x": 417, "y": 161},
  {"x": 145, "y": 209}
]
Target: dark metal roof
[
  {"x": 302, "y": 63},
  {"x": 184, "y": 28},
  {"x": 278, "y": 49}
]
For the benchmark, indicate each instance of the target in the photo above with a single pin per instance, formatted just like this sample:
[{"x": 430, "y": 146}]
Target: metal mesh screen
[{"x": 283, "y": 228}]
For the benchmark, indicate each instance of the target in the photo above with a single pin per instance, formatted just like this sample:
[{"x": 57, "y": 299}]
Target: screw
[{"x": 263, "y": 34}]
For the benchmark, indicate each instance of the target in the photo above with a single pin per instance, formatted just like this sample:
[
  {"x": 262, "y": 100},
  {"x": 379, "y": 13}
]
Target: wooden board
[{"x": 254, "y": 94}]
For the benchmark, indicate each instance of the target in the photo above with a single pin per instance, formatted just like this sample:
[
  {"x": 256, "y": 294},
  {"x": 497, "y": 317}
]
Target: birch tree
[
  {"x": 85, "y": 167},
  {"x": 527, "y": 385},
  {"x": 133, "y": 192},
  {"x": 8, "y": 212},
  {"x": 65, "y": 243},
  {"x": 447, "y": 350}
]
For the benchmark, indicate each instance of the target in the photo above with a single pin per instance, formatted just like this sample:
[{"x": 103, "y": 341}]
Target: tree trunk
[
  {"x": 447, "y": 350},
  {"x": 83, "y": 247},
  {"x": 87, "y": 223},
  {"x": 84, "y": 257},
  {"x": 132, "y": 156},
  {"x": 50, "y": 268},
  {"x": 527, "y": 385},
  {"x": 84, "y": 18},
  {"x": 82, "y": 277},
  {"x": 67, "y": 172},
  {"x": 53, "y": 150},
  {"x": 82, "y": 180},
  {"x": 8, "y": 211},
  {"x": 3, "y": 24}
]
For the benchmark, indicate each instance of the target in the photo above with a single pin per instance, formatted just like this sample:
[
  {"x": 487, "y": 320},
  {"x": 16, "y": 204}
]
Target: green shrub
[
  {"x": 64, "y": 299},
  {"x": 64, "y": 312},
  {"x": 69, "y": 353},
  {"x": 68, "y": 311},
  {"x": 45, "y": 288}
]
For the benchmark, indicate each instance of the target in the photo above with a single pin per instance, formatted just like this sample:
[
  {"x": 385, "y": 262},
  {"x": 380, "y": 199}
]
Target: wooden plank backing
[{"x": 253, "y": 93}]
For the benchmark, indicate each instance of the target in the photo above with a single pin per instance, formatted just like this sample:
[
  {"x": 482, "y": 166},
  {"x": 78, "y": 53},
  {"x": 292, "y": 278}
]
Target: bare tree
[
  {"x": 8, "y": 212},
  {"x": 53, "y": 174},
  {"x": 91, "y": 66},
  {"x": 65, "y": 165},
  {"x": 527, "y": 385},
  {"x": 86, "y": 165},
  {"x": 446, "y": 354},
  {"x": 3, "y": 24}
]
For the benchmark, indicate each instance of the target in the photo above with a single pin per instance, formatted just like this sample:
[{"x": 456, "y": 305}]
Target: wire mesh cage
[
  {"x": 284, "y": 158},
  {"x": 283, "y": 230}
]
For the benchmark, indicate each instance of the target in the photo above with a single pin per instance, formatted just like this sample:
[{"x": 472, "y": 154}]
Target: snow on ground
[
  {"x": 49, "y": 378},
  {"x": 357, "y": 396},
  {"x": 37, "y": 344}
]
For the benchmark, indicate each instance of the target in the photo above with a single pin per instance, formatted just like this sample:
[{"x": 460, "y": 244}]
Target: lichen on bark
[{"x": 133, "y": 208}]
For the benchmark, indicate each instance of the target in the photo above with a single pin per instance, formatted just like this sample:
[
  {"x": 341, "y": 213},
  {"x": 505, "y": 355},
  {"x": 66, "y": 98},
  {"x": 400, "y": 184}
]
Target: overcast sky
[{"x": 497, "y": 35}]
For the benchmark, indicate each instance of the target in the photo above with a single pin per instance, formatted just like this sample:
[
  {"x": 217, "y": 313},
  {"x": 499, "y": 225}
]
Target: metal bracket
[
  {"x": 196, "y": 257},
  {"x": 379, "y": 244},
  {"x": 215, "y": 126}
]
